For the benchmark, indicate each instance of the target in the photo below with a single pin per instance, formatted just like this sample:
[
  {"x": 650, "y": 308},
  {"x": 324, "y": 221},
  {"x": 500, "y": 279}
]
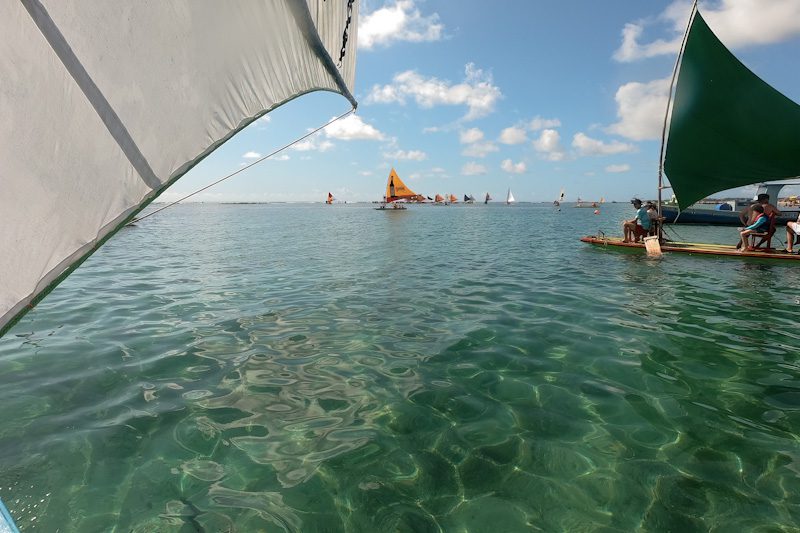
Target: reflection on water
[{"x": 300, "y": 368}]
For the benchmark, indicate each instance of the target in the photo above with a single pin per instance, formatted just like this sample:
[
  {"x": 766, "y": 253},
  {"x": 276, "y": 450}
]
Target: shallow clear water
[{"x": 464, "y": 368}]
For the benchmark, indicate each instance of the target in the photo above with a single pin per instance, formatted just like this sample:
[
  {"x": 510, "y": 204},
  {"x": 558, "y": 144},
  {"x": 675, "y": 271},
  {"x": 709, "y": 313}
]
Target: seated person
[
  {"x": 637, "y": 227},
  {"x": 652, "y": 212},
  {"x": 761, "y": 225},
  {"x": 792, "y": 231}
]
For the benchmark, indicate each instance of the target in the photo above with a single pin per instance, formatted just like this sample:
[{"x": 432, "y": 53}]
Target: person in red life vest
[{"x": 760, "y": 225}]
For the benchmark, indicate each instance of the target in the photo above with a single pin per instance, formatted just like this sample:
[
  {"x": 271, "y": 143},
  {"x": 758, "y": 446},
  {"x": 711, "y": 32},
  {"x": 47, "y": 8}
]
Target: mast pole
[{"x": 662, "y": 153}]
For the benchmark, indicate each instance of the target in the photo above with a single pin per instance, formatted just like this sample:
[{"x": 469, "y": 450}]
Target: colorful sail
[
  {"x": 728, "y": 127},
  {"x": 397, "y": 190},
  {"x": 106, "y": 104},
  {"x": 330, "y": 199},
  {"x": 438, "y": 198},
  {"x": 453, "y": 199}
]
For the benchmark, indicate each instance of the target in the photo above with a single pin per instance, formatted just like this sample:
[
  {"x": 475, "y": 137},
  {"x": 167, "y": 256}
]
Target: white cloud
[
  {"x": 470, "y": 136},
  {"x": 737, "y": 23},
  {"x": 315, "y": 143},
  {"x": 476, "y": 91},
  {"x": 252, "y": 155},
  {"x": 479, "y": 149},
  {"x": 588, "y": 146},
  {"x": 617, "y": 168},
  {"x": 513, "y": 135},
  {"x": 539, "y": 123},
  {"x": 641, "y": 108},
  {"x": 401, "y": 21},
  {"x": 353, "y": 128},
  {"x": 412, "y": 155},
  {"x": 472, "y": 169},
  {"x": 549, "y": 144},
  {"x": 631, "y": 50},
  {"x": 513, "y": 168},
  {"x": 366, "y": 173},
  {"x": 280, "y": 157}
]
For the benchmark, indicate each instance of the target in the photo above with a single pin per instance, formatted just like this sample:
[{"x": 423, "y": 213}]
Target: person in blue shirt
[
  {"x": 759, "y": 225},
  {"x": 637, "y": 227}
]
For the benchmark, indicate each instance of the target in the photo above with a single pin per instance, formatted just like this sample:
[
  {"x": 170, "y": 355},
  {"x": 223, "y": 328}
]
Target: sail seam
[{"x": 91, "y": 91}]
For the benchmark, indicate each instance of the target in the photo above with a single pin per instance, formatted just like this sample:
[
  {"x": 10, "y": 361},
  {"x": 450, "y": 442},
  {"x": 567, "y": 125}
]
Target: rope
[{"x": 257, "y": 161}]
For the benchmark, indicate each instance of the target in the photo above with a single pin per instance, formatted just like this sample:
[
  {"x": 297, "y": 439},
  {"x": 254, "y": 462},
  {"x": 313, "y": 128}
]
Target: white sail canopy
[
  {"x": 105, "y": 104},
  {"x": 510, "y": 197}
]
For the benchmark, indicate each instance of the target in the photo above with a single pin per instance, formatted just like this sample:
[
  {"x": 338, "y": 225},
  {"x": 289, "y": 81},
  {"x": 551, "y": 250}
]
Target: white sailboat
[{"x": 510, "y": 197}]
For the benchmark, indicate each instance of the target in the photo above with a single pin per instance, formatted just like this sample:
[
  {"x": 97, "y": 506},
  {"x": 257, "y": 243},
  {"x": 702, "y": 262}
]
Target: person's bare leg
[{"x": 745, "y": 240}]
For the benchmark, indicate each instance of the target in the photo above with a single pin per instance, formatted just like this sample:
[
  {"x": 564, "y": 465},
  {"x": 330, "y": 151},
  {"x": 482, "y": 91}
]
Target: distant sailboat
[
  {"x": 330, "y": 199},
  {"x": 438, "y": 199},
  {"x": 453, "y": 199},
  {"x": 486, "y": 200},
  {"x": 560, "y": 199},
  {"x": 510, "y": 197},
  {"x": 469, "y": 199},
  {"x": 397, "y": 191}
]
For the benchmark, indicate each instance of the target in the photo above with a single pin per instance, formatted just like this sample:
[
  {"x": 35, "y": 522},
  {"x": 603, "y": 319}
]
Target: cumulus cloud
[
  {"x": 641, "y": 108},
  {"x": 476, "y": 92},
  {"x": 549, "y": 144},
  {"x": 513, "y": 135},
  {"x": 401, "y": 21},
  {"x": 737, "y": 23},
  {"x": 585, "y": 145},
  {"x": 315, "y": 143},
  {"x": 252, "y": 155},
  {"x": 617, "y": 168},
  {"x": 473, "y": 169},
  {"x": 352, "y": 128},
  {"x": 411, "y": 155},
  {"x": 470, "y": 136},
  {"x": 513, "y": 168},
  {"x": 539, "y": 123},
  {"x": 479, "y": 149}
]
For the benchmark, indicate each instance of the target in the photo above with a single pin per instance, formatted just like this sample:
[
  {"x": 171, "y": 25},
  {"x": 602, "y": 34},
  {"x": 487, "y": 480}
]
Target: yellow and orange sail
[
  {"x": 397, "y": 190},
  {"x": 439, "y": 198},
  {"x": 330, "y": 199},
  {"x": 453, "y": 199}
]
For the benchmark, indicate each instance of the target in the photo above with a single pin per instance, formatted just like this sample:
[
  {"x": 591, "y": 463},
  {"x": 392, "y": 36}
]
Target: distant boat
[
  {"x": 486, "y": 200},
  {"x": 510, "y": 197},
  {"x": 589, "y": 203},
  {"x": 439, "y": 199},
  {"x": 396, "y": 191},
  {"x": 330, "y": 199},
  {"x": 726, "y": 211},
  {"x": 469, "y": 199},
  {"x": 560, "y": 199},
  {"x": 453, "y": 199}
]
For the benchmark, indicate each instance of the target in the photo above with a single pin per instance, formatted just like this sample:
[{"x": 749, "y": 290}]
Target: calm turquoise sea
[{"x": 464, "y": 368}]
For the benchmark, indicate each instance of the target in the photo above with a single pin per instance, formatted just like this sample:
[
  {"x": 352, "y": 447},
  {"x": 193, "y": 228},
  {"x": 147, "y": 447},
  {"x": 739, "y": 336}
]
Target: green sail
[{"x": 728, "y": 127}]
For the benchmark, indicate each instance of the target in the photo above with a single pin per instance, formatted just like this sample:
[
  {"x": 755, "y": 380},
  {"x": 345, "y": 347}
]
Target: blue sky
[{"x": 468, "y": 97}]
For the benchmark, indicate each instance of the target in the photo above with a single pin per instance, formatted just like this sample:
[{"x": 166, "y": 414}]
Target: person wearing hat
[{"x": 637, "y": 227}]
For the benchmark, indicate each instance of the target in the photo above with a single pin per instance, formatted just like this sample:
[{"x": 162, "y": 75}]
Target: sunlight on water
[{"x": 336, "y": 368}]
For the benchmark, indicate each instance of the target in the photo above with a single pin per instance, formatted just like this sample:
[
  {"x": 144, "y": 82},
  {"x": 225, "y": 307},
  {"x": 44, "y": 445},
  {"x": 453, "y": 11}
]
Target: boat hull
[
  {"x": 699, "y": 215},
  {"x": 693, "y": 248}
]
